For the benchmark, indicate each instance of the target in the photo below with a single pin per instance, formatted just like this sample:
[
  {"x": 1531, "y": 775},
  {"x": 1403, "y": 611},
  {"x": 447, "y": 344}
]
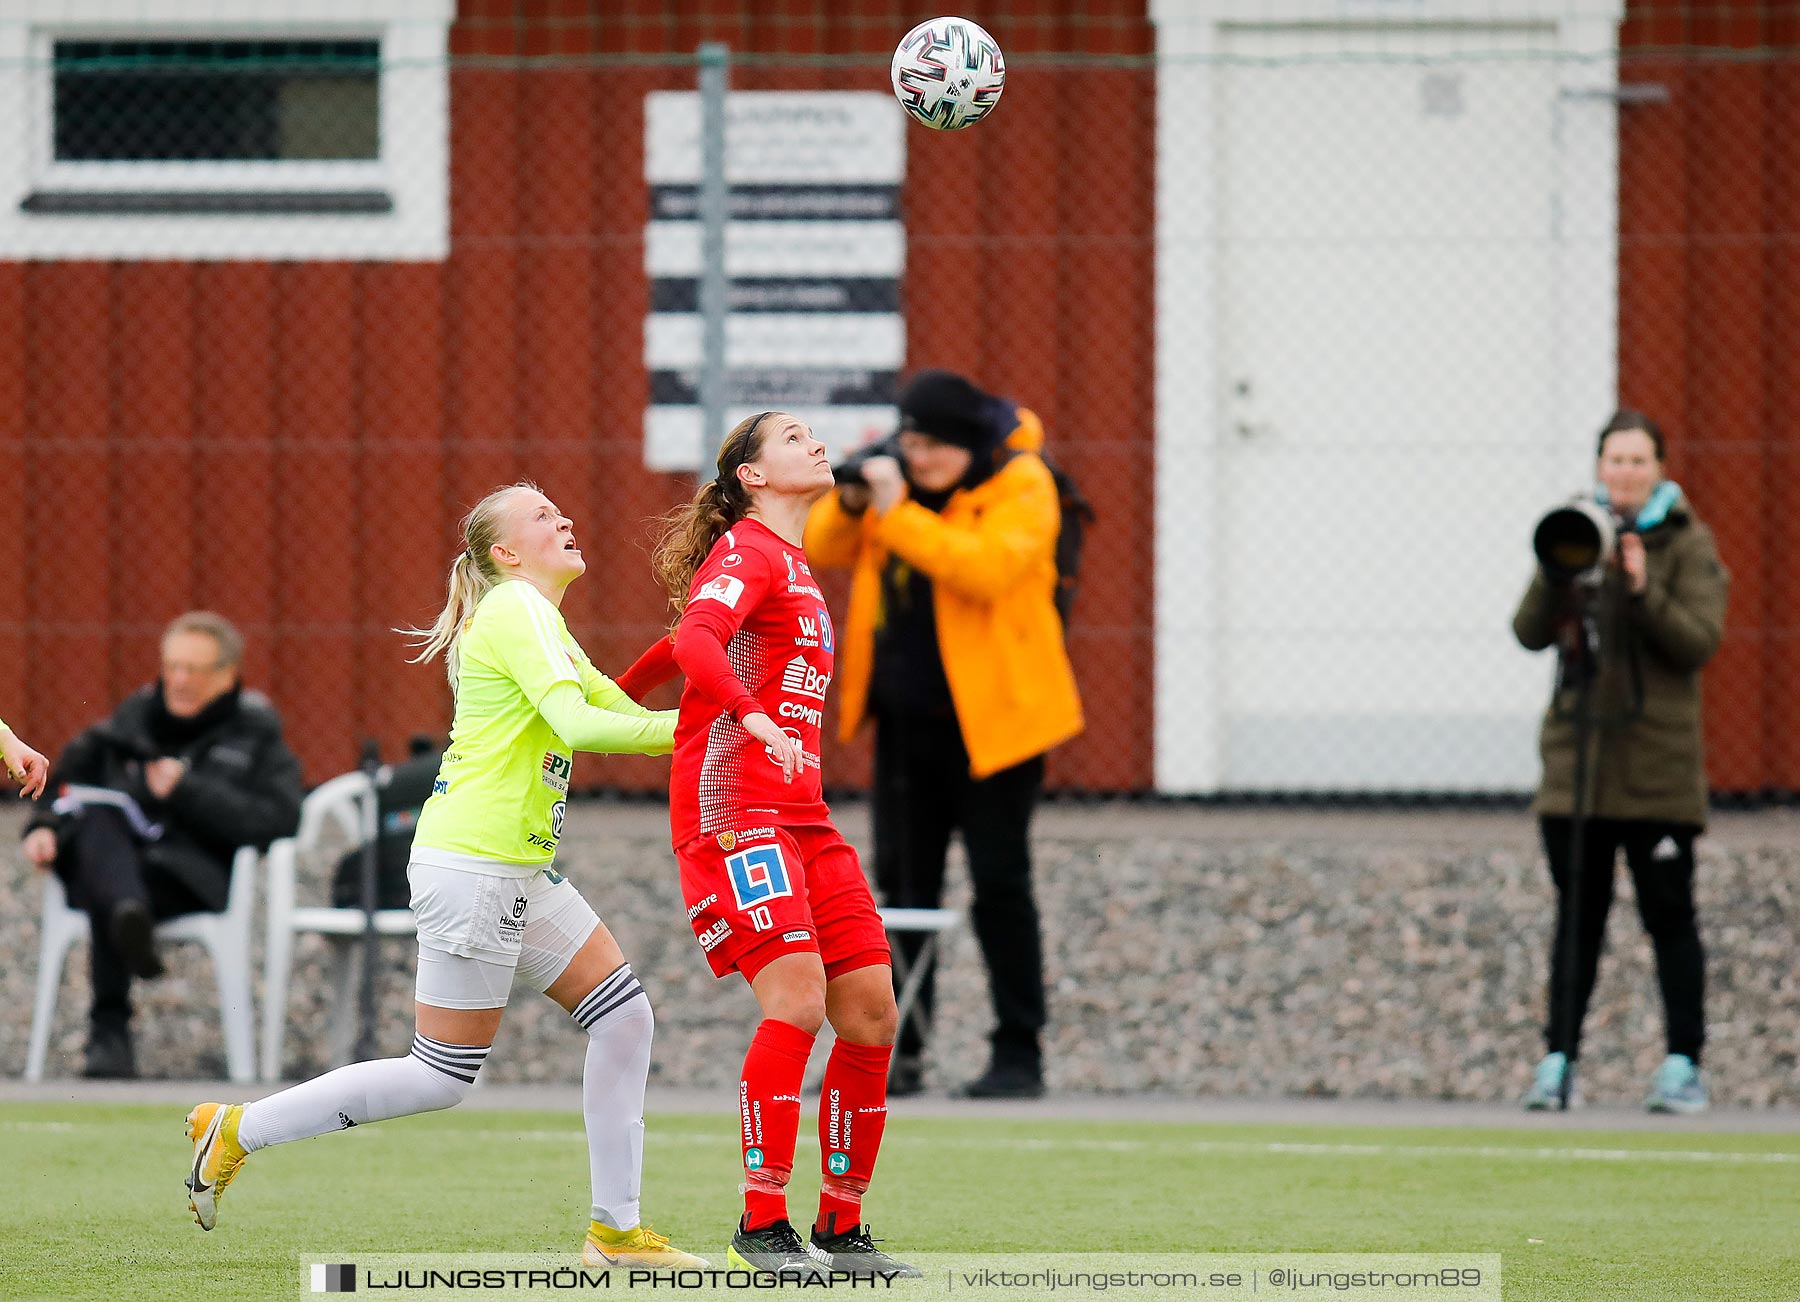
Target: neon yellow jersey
[{"x": 503, "y": 786}]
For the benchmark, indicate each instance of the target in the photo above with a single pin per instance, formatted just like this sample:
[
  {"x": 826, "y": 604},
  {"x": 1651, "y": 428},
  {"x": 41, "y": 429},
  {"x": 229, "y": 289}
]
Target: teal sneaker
[
  {"x": 1678, "y": 1087},
  {"x": 1546, "y": 1092}
]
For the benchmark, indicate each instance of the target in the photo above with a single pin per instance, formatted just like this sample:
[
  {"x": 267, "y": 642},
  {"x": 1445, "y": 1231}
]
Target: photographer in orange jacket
[{"x": 953, "y": 646}]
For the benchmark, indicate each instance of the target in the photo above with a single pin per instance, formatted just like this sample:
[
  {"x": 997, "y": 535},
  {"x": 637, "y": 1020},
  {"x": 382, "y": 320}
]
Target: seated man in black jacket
[{"x": 152, "y": 804}]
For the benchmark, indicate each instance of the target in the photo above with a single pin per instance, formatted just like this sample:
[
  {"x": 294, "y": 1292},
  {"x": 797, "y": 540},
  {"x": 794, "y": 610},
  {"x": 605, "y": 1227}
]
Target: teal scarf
[{"x": 1655, "y": 509}]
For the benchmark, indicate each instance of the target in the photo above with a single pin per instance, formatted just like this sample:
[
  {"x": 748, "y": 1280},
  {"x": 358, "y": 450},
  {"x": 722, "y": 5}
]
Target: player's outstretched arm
[
  {"x": 605, "y": 731},
  {"x": 650, "y": 670},
  {"x": 603, "y": 693}
]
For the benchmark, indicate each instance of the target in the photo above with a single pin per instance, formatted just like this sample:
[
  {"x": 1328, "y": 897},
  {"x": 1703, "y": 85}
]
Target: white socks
[
  {"x": 434, "y": 1075},
  {"x": 616, "y": 1015}
]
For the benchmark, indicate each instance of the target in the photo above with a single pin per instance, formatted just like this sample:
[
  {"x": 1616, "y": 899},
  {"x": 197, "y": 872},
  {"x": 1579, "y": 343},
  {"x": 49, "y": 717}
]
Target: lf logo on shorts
[
  {"x": 758, "y": 874},
  {"x": 753, "y": 1159},
  {"x": 838, "y": 1163}
]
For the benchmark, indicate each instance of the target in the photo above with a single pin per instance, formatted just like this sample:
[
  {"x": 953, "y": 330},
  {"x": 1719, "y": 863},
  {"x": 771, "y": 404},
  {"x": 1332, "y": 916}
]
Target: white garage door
[{"x": 1388, "y": 261}]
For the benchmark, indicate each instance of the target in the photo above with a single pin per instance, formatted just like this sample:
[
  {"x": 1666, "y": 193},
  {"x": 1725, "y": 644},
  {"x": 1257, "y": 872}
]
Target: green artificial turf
[{"x": 92, "y": 1204}]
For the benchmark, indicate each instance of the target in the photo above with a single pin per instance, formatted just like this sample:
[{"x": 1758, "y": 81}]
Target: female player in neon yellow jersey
[
  {"x": 490, "y": 903},
  {"x": 23, "y": 764}
]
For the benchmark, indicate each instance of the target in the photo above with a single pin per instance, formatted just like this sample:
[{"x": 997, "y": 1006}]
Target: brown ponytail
[{"x": 690, "y": 530}]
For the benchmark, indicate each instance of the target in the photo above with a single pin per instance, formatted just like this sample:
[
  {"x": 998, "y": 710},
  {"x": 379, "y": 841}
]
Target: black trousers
[
  {"x": 923, "y": 793},
  {"x": 102, "y": 866},
  {"x": 1661, "y": 859}
]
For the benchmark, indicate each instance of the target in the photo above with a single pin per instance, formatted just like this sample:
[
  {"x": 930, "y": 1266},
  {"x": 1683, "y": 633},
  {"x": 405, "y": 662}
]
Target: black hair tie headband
[{"x": 724, "y": 479}]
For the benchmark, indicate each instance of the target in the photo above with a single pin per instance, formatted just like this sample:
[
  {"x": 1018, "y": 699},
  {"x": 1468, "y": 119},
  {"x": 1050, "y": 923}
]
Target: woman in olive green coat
[{"x": 1659, "y": 608}]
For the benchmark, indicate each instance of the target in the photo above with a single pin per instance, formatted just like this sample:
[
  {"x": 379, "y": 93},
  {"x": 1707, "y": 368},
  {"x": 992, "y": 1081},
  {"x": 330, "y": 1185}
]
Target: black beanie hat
[{"x": 948, "y": 407}]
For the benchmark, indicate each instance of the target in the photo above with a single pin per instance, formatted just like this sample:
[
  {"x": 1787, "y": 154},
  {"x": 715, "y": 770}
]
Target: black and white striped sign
[{"x": 814, "y": 248}]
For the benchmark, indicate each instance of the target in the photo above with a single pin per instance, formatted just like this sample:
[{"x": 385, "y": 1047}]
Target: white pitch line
[
  {"x": 1247, "y": 1148},
  {"x": 1253, "y": 1148}
]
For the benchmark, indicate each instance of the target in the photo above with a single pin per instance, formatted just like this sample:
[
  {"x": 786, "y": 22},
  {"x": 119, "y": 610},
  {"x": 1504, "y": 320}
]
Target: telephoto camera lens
[{"x": 1575, "y": 541}]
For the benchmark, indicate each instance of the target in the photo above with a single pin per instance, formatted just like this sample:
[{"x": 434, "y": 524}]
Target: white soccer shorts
[{"x": 478, "y": 931}]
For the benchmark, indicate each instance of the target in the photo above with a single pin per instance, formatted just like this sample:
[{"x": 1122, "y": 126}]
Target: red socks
[
  {"x": 769, "y": 1108},
  {"x": 852, "y": 1115}
]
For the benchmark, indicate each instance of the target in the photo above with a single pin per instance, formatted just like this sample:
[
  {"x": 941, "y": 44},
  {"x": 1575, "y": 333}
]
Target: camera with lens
[
  {"x": 850, "y": 469},
  {"x": 1575, "y": 542}
]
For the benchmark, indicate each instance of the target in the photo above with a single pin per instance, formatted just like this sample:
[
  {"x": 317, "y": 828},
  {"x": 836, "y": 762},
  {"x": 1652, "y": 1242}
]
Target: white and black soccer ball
[{"x": 948, "y": 73}]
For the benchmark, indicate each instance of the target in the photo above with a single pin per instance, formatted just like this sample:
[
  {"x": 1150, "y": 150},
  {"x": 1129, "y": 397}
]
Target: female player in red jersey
[{"x": 773, "y": 891}]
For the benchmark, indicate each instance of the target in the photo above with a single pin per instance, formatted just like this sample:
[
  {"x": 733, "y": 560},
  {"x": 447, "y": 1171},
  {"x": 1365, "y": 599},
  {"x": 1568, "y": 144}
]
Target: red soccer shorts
[{"x": 757, "y": 894}]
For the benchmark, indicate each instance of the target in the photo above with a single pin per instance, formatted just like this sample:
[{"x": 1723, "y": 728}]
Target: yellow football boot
[
  {"x": 643, "y": 1248},
  {"x": 217, "y": 1156}
]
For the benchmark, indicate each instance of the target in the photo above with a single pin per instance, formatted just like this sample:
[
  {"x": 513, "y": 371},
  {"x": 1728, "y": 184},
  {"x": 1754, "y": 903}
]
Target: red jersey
[{"x": 755, "y": 636}]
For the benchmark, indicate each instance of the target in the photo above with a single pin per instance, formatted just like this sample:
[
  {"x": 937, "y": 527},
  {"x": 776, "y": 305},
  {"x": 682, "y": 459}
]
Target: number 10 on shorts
[{"x": 758, "y": 874}]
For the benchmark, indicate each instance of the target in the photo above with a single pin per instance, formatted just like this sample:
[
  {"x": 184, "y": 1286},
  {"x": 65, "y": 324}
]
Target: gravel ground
[{"x": 1193, "y": 953}]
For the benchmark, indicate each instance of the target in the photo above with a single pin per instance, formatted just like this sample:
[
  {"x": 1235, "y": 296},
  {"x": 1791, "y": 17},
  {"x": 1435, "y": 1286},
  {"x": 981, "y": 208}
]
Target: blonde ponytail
[
  {"x": 472, "y": 576},
  {"x": 690, "y": 530}
]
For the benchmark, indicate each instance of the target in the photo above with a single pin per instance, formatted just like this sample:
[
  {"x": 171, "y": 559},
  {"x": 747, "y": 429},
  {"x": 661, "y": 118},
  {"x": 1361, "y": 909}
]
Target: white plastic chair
[
  {"x": 934, "y": 925},
  {"x": 225, "y": 935},
  {"x": 339, "y": 812}
]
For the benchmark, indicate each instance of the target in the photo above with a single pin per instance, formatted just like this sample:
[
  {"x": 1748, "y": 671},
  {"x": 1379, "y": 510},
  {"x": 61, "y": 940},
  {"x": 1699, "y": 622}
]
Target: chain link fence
[{"x": 1321, "y": 315}]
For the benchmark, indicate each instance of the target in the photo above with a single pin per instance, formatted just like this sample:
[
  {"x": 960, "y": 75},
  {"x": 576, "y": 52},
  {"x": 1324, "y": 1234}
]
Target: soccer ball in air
[{"x": 948, "y": 73}]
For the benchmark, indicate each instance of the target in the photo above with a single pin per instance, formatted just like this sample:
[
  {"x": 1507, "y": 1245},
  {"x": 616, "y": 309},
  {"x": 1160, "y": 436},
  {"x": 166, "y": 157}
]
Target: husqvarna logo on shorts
[
  {"x": 758, "y": 874},
  {"x": 556, "y": 818}
]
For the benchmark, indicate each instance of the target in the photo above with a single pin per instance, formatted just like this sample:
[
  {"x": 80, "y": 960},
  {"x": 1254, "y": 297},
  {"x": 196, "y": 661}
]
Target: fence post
[{"x": 715, "y": 81}]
